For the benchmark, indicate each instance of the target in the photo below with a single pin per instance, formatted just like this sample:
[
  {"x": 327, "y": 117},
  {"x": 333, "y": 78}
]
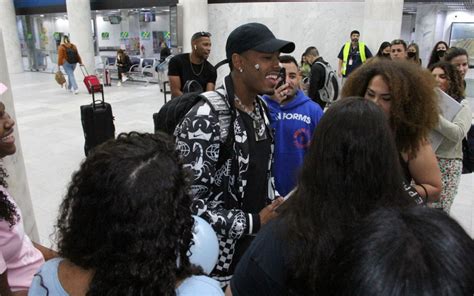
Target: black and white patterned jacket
[{"x": 219, "y": 192}]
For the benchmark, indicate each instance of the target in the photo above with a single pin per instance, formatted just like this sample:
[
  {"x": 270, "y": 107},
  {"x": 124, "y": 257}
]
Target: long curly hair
[
  {"x": 127, "y": 217},
  {"x": 456, "y": 86},
  {"x": 434, "y": 58},
  {"x": 8, "y": 210},
  {"x": 351, "y": 169},
  {"x": 414, "y": 108}
]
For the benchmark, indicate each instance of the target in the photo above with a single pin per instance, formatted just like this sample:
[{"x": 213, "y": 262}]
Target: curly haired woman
[
  {"x": 341, "y": 182},
  {"x": 125, "y": 225},
  {"x": 19, "y": 259},
  {"x": 449, "y": 152},
  {"x": 406, "y": 94}
]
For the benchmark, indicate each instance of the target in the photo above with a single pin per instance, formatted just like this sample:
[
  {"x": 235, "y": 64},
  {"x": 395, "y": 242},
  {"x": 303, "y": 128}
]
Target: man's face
[
  {"x": 263, "y": 79},
  {"x": 355, "y": 38},
  {"x": 202, "y": 47},
  {"x": 398, "y": 52},
  {"x": 292, "y": 78}
]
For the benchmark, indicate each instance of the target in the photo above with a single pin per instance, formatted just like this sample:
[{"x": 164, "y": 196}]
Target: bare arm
[
  {"x": 46, "y": 252},
  {"x": 425, "y": 171},
  {"x": 4, "y": 286},
  {"x": 210, "y": 86},
  {"x": 339, "y": 68},
  {"x": 175, "y": 86}
]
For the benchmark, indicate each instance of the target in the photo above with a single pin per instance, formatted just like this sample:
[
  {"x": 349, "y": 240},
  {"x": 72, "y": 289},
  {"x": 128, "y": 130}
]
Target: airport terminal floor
[{"x": 48, "y": 120}]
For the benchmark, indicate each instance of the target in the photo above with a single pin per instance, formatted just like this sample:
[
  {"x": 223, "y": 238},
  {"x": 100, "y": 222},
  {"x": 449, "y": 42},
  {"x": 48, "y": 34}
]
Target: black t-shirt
[
  {"x": 255, "y": 190},
  {"x": 263, "y": 270},
  {"x": 180, "y": 65},
  {"x": 354, "y": 55}
]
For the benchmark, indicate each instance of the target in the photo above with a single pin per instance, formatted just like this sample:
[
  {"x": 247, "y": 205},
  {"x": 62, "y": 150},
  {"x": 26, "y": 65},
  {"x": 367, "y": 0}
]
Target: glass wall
[{"x": 141, "y": 32}]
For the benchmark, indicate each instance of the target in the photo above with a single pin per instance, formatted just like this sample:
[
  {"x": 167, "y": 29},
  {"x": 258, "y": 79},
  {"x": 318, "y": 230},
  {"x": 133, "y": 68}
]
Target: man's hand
[
  {"x": 268, "y": 212},
  {"x": 280, "y": 93}
]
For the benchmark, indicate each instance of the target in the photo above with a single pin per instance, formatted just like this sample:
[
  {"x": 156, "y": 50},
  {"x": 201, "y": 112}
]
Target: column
[
  {"x": 10, "y": 35},
  {"x": 195, "y": 19},
  {"x": 80, "y": 27},
  {"x": 425, "y": 29},
  {"x": 14, "y": 164},
  {"x": 382, "y": 22}
]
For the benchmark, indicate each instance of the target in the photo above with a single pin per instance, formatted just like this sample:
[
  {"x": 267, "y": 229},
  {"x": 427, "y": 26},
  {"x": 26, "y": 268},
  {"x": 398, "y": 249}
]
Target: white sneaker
[
  {"x": 76, "y": 91},
  {"x": 124, "y": 78},
  {"x": 119, "y": 83}
]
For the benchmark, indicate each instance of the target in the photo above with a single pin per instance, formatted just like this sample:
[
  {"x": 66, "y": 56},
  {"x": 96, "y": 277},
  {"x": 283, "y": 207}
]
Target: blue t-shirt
[
  {"x": 46, "y": 282},
  {"x": 294, "y": 125}
]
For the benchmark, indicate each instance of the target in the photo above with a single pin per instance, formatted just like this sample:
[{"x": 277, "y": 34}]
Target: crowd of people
[{"x": 350, "y": 201}]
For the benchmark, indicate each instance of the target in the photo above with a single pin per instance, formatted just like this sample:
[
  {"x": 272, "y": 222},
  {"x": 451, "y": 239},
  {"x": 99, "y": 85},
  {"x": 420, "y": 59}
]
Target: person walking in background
[
  {"x": 438, "y": 52},
  {"x": 123, "y": 66},
  {"x": 449, "y": 152},
  {"x": 352, "y": 55},
  {"x": 384, "y": 50},
  {"x": 69, "y": 57}
]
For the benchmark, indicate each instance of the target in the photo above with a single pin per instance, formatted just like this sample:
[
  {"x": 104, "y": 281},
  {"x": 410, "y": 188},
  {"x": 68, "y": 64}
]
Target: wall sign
[
  {"x": 105, "y": 35},
  {"x": 123, "y": 35},
  {"x": 145, "y": 35}
]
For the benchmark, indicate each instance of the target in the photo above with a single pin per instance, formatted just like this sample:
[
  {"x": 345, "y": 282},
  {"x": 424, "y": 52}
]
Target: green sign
[
  {"x": 57, "y": 36},
  {"x": 105, "y": 35},
  {"x": 123, "y": 35},
  {"x": 145, "y": 35},
  {"x": 168, "y": 35}
]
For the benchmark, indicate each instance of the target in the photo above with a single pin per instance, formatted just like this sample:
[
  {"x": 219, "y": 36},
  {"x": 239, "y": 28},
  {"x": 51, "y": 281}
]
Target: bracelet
[{"x": 426, "y": 191}]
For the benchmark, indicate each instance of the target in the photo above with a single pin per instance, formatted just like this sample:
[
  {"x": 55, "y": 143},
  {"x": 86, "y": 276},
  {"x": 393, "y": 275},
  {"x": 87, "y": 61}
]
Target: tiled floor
[{"x": 51, "y": 133}]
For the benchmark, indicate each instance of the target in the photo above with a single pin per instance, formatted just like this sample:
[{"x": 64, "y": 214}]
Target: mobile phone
[{"x": 282, "y": 76}]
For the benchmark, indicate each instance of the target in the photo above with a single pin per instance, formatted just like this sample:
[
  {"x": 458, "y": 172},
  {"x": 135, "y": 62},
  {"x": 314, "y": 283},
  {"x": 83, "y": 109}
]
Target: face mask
[
  {"x": 441, "y": 53},
  {"x": 411, "y": 54}
]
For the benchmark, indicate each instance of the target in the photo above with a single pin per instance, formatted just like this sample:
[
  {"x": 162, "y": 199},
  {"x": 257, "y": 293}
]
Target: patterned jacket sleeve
[{"x": 198, "y": 141}]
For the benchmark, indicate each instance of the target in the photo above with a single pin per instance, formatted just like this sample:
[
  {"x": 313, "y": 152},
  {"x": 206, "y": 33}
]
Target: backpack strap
[{"x": 220, "y": 106}]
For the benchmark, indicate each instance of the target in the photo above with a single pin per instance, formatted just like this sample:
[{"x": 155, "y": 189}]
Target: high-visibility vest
[{"x": 345, "y": 55}]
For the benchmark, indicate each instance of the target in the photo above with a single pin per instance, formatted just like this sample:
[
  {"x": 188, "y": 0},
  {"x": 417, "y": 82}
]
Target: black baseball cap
[{"x": 257, "y": 37}]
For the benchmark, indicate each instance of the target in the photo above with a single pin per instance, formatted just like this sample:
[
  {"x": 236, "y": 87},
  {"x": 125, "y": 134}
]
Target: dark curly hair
[
  {"x": 434, "y": 58},
  {"x": 456, "y": 86},
  {"x": 350, "y": 170},
  {"x": 8, "y": 210},
  {"x": 127, "y": 216},
  {"x": 414, "y": 108}
]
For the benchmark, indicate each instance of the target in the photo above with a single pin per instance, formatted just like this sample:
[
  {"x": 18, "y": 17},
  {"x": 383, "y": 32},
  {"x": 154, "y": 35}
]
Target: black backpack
[
  {"x": 330, "y": 91},
  {"x": 468, "y": 152},
  {"x": 71, "y": 55}
]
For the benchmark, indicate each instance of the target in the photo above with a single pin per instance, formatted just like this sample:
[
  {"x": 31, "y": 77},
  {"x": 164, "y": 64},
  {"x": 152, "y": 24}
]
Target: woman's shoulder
[
  {"x": 46, "y": 280},
  {"x": 199, "y": 285}
]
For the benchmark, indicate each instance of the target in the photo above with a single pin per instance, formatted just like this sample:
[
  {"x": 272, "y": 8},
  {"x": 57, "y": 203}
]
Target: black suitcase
[{"x": 97, "y": 123}]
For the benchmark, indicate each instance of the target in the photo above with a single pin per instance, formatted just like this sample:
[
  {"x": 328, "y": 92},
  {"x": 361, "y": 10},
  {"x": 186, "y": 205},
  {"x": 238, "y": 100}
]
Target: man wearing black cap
[
  {"x": 186, "y": 67},
  {"x": 230, "y": 148}
]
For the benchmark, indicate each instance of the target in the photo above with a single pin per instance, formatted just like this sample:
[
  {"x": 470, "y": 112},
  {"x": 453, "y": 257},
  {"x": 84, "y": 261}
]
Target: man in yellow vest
[{"x": 352, "y": 55}]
